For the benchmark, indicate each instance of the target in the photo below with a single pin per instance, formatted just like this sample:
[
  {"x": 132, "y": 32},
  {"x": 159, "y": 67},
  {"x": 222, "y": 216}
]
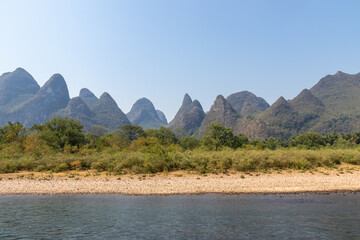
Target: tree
[
  {"x": 352, "y": 137},
  {"x": 239, "y": 141},
  {"x": 113, "y": 140},
  {"x": 132, "y": 132},
  {"x": 60, "y": 132},
  {"x": 164, "y": 135},
  {"x": 97, "y": 130},
  {"x": 12, "y": 132},
  {"x": 36, "y": 146},
  {"x": 273, "y": 143},
  {"x": 309, "y": 140},
  {"x": 331, "y": 138},
  {"x": 189, "y": 142},
  {"x": 217, "y": 136},
  {"x": 94, "y": 133}
]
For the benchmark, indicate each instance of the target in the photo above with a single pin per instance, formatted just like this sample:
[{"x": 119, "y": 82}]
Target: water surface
[{"x": 293, "y": 216}]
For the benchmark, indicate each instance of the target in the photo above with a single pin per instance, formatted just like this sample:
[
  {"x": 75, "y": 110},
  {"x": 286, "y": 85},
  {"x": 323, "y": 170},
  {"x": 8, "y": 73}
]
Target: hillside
[
  {"x": 247, "y": 103},
  {"x": 16, "y": 88},
  {"x": 143, "y": 113},
  {"x": 51, "y": 97},
  {"x": 87, "y": 96},
  {"x": 188, "y": 118},
  {"x": 77, "y": 109},
  {"x": 221, "y": 111},
  {"x": 108, "y": 114}
]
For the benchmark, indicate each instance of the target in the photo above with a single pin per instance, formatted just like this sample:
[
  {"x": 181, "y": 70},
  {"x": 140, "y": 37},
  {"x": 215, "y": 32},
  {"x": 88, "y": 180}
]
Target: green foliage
[
  {"x": 331, "y": 138},
  {"x": 309, "y": 140},
  {"x": 164, "y": 135},
  {"x": 93, "y": 134},
  {"x": 12, "y": 132},
  {"x": 165, "y": 158},
  {"x": 112, "y": 140},
  {"x": 59, "y": 132},
  {"x": 36, "y": 146},
  {"x": 217, "y": 136},
  {"x": 46, "y": 147},
  {"x": 352, "y": 137},
  {"x": 274, "y": 143},
  {"x": 131, "y": 132},
  {"x": 341, "y": 143},
  {"x": 239, "y": 141},
  {"x": 189, "y": 143},
  {"x": 97, "y": 130}
]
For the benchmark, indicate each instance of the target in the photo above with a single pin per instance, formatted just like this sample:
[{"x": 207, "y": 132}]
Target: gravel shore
[{"x": 175, "y": 183}]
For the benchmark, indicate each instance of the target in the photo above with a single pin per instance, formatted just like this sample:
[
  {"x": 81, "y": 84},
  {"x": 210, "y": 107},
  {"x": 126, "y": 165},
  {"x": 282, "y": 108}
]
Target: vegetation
[{"x": 61, "y": 144}]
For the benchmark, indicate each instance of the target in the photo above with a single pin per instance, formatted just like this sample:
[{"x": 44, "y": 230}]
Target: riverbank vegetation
[{"x": 62, "y": 144}]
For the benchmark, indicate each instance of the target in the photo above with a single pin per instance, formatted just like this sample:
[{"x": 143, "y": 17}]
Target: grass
[{"x": 201, "y": 161}]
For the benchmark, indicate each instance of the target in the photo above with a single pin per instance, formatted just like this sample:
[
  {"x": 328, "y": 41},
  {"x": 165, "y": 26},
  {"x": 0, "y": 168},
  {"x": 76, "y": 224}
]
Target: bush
[
  {"x": 309, "y": 140},
  {"x": 59, "y": 132}
]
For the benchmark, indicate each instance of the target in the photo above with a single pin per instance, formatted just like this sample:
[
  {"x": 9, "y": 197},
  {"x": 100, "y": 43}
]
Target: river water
[{"x": 293, "y": 216}]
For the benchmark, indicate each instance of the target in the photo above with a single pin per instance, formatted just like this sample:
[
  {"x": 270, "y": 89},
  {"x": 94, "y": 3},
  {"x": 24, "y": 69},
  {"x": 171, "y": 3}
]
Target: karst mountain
[{"x": 331, "y": 105}]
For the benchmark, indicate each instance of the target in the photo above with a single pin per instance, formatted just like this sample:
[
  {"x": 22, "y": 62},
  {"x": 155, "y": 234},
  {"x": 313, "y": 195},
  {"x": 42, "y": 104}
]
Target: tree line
[{"x": 62, "y": 144}]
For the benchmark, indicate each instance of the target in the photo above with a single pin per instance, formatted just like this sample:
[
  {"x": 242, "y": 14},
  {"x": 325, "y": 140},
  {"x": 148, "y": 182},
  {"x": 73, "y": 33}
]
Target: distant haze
[{"x": 163, "y": 49}]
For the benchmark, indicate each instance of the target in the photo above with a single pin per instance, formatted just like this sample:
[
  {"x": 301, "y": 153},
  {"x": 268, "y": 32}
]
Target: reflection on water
[{"x": 295, "y": 216}]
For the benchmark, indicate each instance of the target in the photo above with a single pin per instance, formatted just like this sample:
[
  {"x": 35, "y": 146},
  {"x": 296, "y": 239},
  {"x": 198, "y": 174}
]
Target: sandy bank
[{"x": 175, "y": 183}]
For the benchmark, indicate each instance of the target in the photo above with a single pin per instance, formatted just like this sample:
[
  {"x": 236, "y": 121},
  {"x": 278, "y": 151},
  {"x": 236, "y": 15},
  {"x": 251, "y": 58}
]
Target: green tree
[
  {"x": 309, "y": 140},
  {"x": 239, "y": 141},
  {"x": 189, "y": 143},
  {"x": 12, "y": 132},
  {"x": 60, "y": 132},
  {"x": 97, "y": 130},
  {"x": 217, "y": 136},
  {"x": 93, "y": 134},
  {"x": 331, "y": 138},
  {"x": 257, "y": 143},
  {"x": 352, "y": 137},
  {"x": 164, "y": 135},
  {"x": 112, "y": 140},
  {"x": 273, "y": 143},
  {"x": 131, "y": 132}
]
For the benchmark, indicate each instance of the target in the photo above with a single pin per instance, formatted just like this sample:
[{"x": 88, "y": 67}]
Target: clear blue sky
[{"x": 164, "y": 49}]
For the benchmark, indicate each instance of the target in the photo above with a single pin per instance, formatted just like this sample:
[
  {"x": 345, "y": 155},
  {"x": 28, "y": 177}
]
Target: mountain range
[{"x": 331, "y": 105}]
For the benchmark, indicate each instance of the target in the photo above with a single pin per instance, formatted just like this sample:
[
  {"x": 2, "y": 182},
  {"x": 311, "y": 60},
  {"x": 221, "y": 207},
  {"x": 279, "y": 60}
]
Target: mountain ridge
[{"x": 331, "y": 105}]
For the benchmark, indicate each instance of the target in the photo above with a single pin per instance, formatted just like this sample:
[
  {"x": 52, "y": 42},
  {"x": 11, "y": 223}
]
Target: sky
[{"x": 163, "y": 49}]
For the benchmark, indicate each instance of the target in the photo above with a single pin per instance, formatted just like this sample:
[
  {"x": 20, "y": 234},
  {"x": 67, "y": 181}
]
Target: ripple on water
[{"x": 292, "y": 216}]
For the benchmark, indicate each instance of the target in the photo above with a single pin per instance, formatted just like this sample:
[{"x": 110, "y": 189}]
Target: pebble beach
[{"x": 180, "y": 183}]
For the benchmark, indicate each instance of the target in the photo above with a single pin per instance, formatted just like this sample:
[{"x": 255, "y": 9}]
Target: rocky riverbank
[{"x": 180, "y": 183}]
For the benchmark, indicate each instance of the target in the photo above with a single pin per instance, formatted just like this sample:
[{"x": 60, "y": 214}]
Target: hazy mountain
[
  {"x": 307, "y": 104},
  {"x": 309, "y": 108},
  {"x": 162, "y": 117},
  {"x": 247, "y": 103},
  {"x": 16, "y": 88},
  {"x": 143, "y": 113},
  {"x": 189, "y": 117},
  {"x": 51, "y": 97},
  {"x": 108, "y": 114},
  {"x": 87, "y": 96},
  {"x": 279, "y": 120},
  {"x": 104, "y": 112},
  {"x": 331, "y": 105},
  {"x": 222, "y": 112},
  {"x": 340, "y": 94},
  {"x": 77, "y": 109}
]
